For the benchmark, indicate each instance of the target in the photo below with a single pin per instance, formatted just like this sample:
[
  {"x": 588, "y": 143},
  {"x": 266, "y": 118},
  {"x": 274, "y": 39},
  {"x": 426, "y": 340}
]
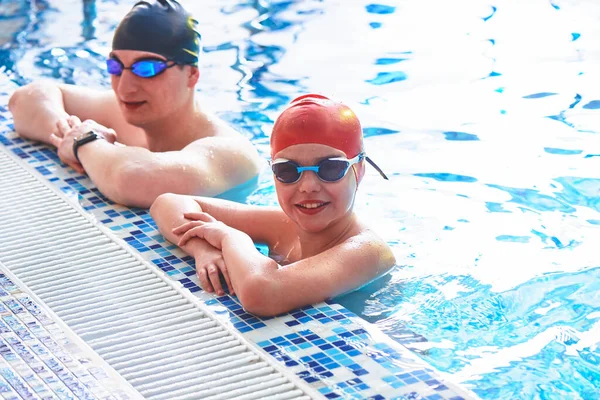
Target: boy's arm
[
  {"x": 267, "y": 290},
  {"x": 268, "y": 225},
  {"x": 263, "y": 287}
]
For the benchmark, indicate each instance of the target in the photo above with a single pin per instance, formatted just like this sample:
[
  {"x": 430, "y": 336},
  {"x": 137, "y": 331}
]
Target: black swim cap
[{"x": 160, "y": 26}]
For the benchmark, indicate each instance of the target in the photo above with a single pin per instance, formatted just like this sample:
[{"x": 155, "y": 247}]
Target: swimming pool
[{"x": 482, "y": 114}]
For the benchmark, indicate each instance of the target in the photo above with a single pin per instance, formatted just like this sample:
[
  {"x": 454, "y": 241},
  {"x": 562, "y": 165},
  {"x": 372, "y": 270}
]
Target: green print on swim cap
[{"x": 160, "y": 26}]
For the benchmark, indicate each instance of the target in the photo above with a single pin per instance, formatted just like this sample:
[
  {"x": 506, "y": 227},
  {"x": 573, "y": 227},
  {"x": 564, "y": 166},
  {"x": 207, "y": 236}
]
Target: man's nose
[{"x": 128, "y": 82}]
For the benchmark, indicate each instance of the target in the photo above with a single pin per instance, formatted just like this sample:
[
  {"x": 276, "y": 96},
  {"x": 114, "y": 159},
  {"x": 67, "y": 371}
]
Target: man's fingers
[
  {"x": 78, "y": 167},
  {"x": 74, "y": 121},
  {"x": 110, "y": 136},
  {"x": 75, "y": 165},
  {"x": 55, "y": 140},
  {"x": 62, "y": 127}
]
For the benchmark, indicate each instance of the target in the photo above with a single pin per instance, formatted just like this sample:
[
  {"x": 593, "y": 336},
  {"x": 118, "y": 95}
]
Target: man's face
[{"x": 144, "y": 100}]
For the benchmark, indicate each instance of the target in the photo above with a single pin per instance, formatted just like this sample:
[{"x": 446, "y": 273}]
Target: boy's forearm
[
  {"x": 244, "y": 260},
  {"x": 167, "y": 211},
  {"x": 254, "y": 277}
]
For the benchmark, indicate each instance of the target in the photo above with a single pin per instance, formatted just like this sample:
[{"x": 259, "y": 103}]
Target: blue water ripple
[
  {"x": 388, "y": 60},
  {"x": 377, "y": 131},
  {"x": 380, "y": 9},
  {"x": 495, "y": 207},
  {"x": 580, "y": 191},
  {"x": 552, "y": 150},
  {"x": 446, "y": 177},
  {"x": 577, "y": 101},
  {"x": 592, "y": 105},
  {"x": 384, "y": 78},
  {"x": 539, "y": 95},
  {"x": 533, "y": 199},
  {"x": 491, "y": 15},
  {"x": 462, "y": 136},
  {"x": 510, "y": 238}
]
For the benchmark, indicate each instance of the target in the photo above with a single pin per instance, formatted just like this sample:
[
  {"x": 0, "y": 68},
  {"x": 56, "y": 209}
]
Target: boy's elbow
[
  {"x": 255, "y": 294},
  {"x": 161, "y": 202}
]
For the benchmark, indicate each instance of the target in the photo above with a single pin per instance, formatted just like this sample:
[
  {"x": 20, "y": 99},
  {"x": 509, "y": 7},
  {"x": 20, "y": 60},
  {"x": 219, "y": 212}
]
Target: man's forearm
[
  {"x": 109, "y": 166},
  {"x": 36, "y": 109}
]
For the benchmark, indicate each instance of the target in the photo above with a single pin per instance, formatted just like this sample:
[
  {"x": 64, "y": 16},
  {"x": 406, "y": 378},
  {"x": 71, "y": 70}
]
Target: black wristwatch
[{"x": 83, "y": 139}]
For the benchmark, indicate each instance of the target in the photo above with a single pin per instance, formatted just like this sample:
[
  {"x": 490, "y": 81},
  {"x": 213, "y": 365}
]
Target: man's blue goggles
[
  {"x": 146, "y": 68},
  {"x": 328, "y": 170}
]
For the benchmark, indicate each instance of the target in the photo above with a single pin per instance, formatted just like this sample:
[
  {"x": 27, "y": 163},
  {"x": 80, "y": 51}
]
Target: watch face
[{"x": 85, "y": 135}]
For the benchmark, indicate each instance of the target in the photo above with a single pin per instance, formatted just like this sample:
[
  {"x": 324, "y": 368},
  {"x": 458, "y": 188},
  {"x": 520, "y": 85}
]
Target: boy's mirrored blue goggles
[
  {"x": 328, "y": 170},
  {"x": 146, "y": 68}
]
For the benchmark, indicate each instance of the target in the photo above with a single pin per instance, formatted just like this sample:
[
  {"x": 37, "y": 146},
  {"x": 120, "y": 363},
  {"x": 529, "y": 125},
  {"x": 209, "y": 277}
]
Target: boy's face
[{"x": 311, "y": 203}]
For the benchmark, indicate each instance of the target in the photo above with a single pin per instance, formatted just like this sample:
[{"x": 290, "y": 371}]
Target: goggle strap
[{"x": 377, "y": 168}]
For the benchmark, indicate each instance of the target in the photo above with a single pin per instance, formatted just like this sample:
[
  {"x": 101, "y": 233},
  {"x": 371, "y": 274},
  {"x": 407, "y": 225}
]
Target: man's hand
[
  {"x": 57, "y": 138},
  {"x": 66, "y": 132}
]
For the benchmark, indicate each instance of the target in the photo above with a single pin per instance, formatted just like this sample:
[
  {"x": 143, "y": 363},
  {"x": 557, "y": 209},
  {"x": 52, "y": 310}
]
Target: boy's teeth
[{"x": 312, "y": 205}]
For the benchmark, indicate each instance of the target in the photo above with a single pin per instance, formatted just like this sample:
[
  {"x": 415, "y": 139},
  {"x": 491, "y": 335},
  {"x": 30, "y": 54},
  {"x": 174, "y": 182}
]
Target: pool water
[{"x": 485, "y": 116}]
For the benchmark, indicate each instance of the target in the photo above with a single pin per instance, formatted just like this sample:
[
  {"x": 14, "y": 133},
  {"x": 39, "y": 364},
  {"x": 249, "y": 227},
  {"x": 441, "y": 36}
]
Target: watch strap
[{"x": 83, "y": 139}]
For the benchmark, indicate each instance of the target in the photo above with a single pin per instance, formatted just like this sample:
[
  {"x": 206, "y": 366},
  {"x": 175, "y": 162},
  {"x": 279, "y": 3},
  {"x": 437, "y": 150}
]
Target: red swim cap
[{"x": 313, "y": 118}]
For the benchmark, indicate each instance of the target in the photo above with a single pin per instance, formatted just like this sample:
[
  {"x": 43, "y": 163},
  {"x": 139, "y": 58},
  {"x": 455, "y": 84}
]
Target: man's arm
[
  {"x": 135, "y": 176},
  {"x": 39, "y": 106},
  {"x": 36, "y": 109}
]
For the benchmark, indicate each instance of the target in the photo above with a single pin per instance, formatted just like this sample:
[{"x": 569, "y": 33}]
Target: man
[{"x": 148, "y": 135}]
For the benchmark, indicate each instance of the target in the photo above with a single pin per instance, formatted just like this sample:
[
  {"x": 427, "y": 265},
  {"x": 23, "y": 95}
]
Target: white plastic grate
[{"x": 156, "y": 335}]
